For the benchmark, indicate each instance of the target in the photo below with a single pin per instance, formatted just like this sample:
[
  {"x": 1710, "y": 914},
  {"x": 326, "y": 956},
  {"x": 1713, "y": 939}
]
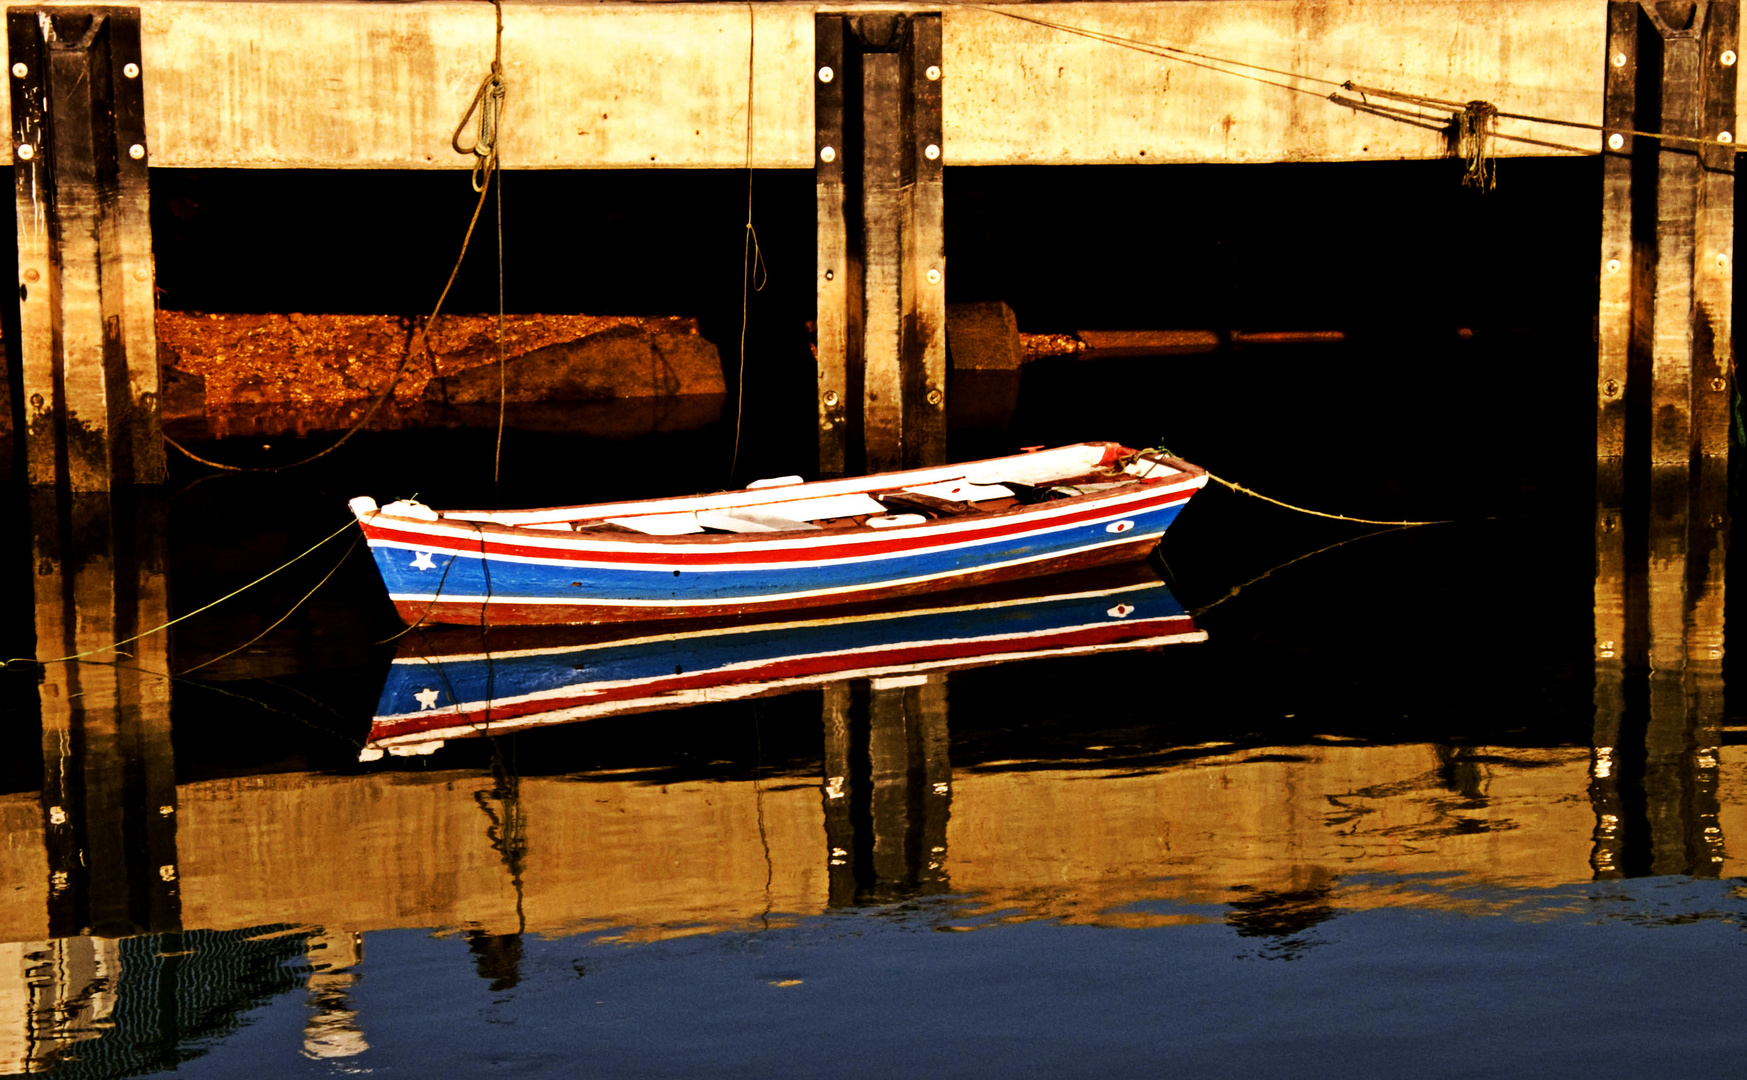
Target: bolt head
[
  {"x": 1615, "y": 141},
  {"x": 931, "y": 152},
  {"x": 1725, "y": 137},
  {"x": 19, "y": 71},
  {"x": 131, "y": 70},
  {"x": 933, "y": 277},
  {"x": 26, "y": 152},
  {"x": 933, "y": 73},
  {"x": 139, "y": 273},
  {"x": 826, "y": 74},
  {"x": 827, "y": 155},
  {"x": 1719, "y": 384},
  {"x": 136, "y": 151},
  {"x": 32, "y": 275},
  {"x": 830, "y": 399},
  {"x": 1722, "y": 262},
  {"x": 1611, "y": 388},
  {"x": 1613, "y": 266},
  {"x": 830, "y": 274},
  {"x": 1619, "y": 59},
  {"x": 934, "y": 397},
  {"x": 1728, "y": 58}
]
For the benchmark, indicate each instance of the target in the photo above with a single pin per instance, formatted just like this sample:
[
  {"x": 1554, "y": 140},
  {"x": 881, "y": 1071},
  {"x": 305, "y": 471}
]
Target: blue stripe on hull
[
  {"x": 510, "y": 580},
  {"x": 480, "y": 679}
]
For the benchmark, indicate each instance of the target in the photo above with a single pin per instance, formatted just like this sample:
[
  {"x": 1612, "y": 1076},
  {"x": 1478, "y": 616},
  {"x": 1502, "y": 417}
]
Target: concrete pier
[{"x": 327, "y": 85}]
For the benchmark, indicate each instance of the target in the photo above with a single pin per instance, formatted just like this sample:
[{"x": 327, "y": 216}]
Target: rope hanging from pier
[
  {"x": 487, "y": 104},
  {"x": 483, "y": 170}
]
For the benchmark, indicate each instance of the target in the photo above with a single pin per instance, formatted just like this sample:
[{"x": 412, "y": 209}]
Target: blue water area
[{"x": 1620, "y": 979}]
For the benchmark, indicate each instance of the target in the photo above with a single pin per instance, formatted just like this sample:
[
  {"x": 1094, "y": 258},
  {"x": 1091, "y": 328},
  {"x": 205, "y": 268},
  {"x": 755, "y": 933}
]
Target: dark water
[{"x": 1461, "y": 800}]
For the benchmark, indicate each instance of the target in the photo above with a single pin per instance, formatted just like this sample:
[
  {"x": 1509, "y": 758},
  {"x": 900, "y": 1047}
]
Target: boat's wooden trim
[{"x": 1076, "y": 458}]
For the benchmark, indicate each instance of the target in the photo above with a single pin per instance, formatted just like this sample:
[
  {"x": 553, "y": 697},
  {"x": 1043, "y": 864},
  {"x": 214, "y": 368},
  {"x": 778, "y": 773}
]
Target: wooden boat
[
  {"x": 779, "y": 544},
  {"x": 454, "y": 682}
]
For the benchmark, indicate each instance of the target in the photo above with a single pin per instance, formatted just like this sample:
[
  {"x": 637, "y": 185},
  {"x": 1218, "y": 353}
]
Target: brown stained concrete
[
  {"x": 1078, "y": 847},
  {"x": 235, "y": 374},
  {"x": 24, "y": 870},
  {"x": 327, "y": 359},
  {"x": 411, "y": 850}
]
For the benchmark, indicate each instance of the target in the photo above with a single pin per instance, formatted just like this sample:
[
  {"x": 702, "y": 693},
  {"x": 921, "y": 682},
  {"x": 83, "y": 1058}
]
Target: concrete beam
[{"x": 347, "y": 85}]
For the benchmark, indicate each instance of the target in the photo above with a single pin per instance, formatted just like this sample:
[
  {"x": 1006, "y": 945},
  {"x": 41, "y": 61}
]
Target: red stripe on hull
[
  {"x": 798, "y": 668},
  {"x": 514, "y": 613},
  {"x": 725, "y": 550}
]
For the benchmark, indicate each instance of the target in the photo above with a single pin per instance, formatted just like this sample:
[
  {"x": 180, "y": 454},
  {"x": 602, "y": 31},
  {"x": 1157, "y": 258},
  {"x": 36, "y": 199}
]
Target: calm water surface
[{"x": 1461, "y": 800}]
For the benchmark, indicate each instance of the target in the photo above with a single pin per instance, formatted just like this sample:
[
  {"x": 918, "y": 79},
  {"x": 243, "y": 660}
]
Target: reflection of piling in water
[
  {"x": 54, "y": 995},
  {"x": 1659, "y": 689},
  {"x": 888, "y": 788},
  {"x": 109, "y": 793},
  {"x": 332, "y": 1030}
]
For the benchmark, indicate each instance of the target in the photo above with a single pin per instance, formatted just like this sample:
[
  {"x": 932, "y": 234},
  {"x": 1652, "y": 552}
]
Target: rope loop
[{"x": 487, "y": 104}]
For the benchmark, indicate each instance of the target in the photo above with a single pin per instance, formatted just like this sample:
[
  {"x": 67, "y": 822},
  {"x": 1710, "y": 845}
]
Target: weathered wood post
[
  {"x": 888, "y": 787},
  {"x": 109, "y": 783},
  {"x": 1659, "y": 681},
  {"x": 881, "y": 285},
  {"x": 89, "y": 351},
  {"x": 1665, "y": 368},
  {"x": 1664, "y": 327}
]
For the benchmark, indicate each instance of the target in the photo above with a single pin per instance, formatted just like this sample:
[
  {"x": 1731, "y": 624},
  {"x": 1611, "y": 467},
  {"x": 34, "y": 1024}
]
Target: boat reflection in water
[{"x": 454, "y": 683}]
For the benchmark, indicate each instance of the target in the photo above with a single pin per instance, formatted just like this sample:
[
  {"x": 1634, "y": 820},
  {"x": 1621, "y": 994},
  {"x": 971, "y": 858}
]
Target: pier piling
[
  {"x": 88, "y": 348},
  {"x": 1664, "y": 325},
  {"x": 881, "y": 242}
]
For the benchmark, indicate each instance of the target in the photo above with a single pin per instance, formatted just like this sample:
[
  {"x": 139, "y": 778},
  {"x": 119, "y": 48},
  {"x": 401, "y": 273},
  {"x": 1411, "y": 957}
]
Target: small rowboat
[
  {"x": 779, "y": 544},
  {"x": 457, "y": 682}
]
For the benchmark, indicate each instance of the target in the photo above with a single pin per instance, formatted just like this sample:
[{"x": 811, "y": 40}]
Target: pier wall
[{"x": 349, "y": 85}]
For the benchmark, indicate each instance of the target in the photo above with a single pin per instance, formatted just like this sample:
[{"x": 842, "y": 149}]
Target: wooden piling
[
  {"x": 89, "y": 351},
  {"x": 1659, "y": 596},
  {"x": 1664, "y": 321},
  {"x": 881, "y": 242},
  {"x": 109, "y": 785}
]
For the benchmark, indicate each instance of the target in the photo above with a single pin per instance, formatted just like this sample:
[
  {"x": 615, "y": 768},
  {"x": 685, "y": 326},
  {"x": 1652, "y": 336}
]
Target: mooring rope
[
  {"x": 290, "y": 612},
  {"x": 1272, "y": 570},
  {"x": 1241, "y": 490},
  {"x": 21, "y": 661},
  {"x": 751, "y": 257},
  {"x": 1472, "y": 119},
  {"x": 484, "y": 169}
]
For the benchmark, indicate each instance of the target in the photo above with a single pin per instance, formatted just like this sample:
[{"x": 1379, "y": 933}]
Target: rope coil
[{"x": 487, "y": 103}]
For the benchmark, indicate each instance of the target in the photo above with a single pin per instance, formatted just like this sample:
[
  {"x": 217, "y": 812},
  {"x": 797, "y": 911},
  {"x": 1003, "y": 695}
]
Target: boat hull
[{"x": 485, "y": 573}]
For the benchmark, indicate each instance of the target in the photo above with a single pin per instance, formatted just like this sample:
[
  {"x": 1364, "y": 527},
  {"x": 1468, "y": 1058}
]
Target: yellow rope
[
  {"x": 1240, "y": 489},
  {"x": 282, "y": 618},
  {"x": 165, "y": 626},
  {"x": 485, "y": 168}
]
